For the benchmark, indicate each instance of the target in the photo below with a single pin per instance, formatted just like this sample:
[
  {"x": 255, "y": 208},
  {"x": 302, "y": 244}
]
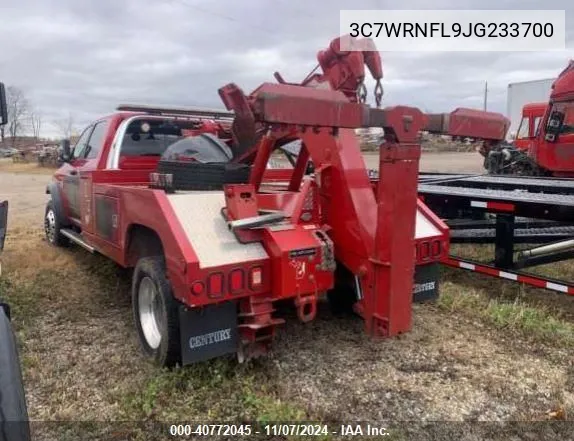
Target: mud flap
[
  {"x": 425, "y": 287},
  {"x": 208, "y": 332}
]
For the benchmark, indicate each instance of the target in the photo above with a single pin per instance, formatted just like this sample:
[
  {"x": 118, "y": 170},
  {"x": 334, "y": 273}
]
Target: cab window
[
  {"x": 537, "y": 125},
  {"x": 151, "y": 137},
  {"x": 523, "y": 130},
  {"x": 82, "y": 144},
  {"x": 96, "y": 140}
]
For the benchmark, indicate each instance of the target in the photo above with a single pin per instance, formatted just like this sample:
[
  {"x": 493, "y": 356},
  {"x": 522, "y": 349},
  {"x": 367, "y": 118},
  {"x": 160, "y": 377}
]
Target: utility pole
[{"x": 485, "y": 94}]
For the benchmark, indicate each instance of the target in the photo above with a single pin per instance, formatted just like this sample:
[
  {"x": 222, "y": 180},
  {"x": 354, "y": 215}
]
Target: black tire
[
  {"x": 343, "y": 295},
  {"x": 199, "y": 176},
  {"x": 53, "y": 225},
  {"x": 14, "y": 424},
  {"x": 167, "y": 353}
]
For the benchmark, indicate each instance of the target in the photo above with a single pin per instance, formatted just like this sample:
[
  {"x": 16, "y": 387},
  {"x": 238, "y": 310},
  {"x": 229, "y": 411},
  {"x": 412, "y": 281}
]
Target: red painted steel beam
[{"x": 469, "y": 123}]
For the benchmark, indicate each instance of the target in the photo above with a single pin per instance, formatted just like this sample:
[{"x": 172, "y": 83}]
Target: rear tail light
[
  {"x": 215, "y": 285},
  {"x": 236, "y": 281},
  {"x": 197, "y": 288},
  {"x": 435, "y": 248},
  {"x": 219, "y": 284},
  {"x": 424, "y": 251},
  {"x": 255, "y": 277}
]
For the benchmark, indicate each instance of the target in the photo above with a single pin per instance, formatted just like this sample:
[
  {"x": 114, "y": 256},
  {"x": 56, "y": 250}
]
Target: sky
[{"x": 84, "y": 57}]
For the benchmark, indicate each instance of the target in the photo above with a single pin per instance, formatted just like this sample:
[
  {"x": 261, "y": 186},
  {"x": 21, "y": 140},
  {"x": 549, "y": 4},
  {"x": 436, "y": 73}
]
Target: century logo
[
  {"x": 419, "y": 287},
  {"x": 210, "y": 338}
]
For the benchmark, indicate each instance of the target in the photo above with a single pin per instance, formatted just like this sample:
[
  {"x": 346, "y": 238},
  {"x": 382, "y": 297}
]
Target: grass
[
  {"x": 81, "y": 361},
  {"x": 563, "y": 270},
  {"x": 539, "y": 322},
  {"x": 216, "y": 390},
  {"x": 7, "y": 165},
  {"x": 67, "y": 290}
]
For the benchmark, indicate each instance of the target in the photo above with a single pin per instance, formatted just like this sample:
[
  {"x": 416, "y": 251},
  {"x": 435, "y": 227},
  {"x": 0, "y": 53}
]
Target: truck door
[
  {"x": 91, "y": 155},
  {"x": 68, "y": 176},
  {"x": 76, "y": 174},
  {"x": 558, "y": 156}
]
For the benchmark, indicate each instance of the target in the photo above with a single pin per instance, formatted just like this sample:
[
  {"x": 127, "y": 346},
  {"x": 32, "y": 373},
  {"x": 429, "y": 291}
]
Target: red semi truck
[{"x": 545, "y": 139}]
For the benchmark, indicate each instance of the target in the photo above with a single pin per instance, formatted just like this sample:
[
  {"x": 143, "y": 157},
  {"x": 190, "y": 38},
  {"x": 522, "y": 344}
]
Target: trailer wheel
[
  {"x": 156, "y": 312},
  {"x": 53, "y": 225},
  {"x": 13, "y": 414},
  {"x": 200, "y": 176}
]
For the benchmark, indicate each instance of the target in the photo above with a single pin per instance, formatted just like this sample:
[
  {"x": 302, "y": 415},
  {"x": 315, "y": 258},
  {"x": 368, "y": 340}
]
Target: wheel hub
[
  {"x": 50, "y": 225},
  {"x": 150, "y": 315}
]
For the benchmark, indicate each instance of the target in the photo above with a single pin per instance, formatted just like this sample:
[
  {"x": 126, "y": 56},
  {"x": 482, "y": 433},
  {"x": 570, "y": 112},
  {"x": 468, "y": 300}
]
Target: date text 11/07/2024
[{"x": 301, "y": 429}]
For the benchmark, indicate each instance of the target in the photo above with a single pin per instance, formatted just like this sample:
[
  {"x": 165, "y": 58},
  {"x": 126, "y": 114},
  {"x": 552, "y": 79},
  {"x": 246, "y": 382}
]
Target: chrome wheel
[
  {"x": 50, "y": 225},
  {"x": 150, "y": 312}
]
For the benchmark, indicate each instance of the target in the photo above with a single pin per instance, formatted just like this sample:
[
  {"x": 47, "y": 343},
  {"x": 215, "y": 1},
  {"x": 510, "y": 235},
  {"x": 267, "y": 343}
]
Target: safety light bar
[{"x": 198, "y": 112}]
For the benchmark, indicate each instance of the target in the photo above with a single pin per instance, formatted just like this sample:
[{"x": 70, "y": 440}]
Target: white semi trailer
[{"x": 521, "y": 93}]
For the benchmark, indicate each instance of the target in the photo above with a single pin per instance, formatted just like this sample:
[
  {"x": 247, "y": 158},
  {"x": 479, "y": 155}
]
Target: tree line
[{"x": 24, "y": 119}]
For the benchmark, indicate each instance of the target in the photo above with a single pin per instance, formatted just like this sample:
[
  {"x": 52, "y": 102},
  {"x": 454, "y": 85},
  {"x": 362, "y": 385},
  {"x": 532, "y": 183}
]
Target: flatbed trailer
[{"x": 523, "y": 210}]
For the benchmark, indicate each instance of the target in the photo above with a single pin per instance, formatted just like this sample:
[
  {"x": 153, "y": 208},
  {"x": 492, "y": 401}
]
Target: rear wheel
[
  {"x": 156, "y": 312},
  {"x": 53, "y": 225}
]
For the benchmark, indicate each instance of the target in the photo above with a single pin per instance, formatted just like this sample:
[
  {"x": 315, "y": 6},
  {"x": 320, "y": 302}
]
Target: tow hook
[{"x": 306, "y": 307}]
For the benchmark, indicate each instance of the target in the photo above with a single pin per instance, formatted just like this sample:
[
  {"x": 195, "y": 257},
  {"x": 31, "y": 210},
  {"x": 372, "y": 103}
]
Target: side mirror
[
  {"x": 554, "y": 125},
  {"x": 3, "y": 106},
  {"x": 66, "y": 150},
  {"x": 3, "y": 222}
]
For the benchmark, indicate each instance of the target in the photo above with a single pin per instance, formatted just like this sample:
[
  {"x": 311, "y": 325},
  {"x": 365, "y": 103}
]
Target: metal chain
[
  {"x": 378, "y": 93},
  {"x": 362, "y": 93}
]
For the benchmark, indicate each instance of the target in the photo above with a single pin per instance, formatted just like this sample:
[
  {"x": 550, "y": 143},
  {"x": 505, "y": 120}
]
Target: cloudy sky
[{"x": 83, "y": 57}]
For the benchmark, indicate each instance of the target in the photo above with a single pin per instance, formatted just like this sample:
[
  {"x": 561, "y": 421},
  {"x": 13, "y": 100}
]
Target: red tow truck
[{"x": 185, "y": 198}]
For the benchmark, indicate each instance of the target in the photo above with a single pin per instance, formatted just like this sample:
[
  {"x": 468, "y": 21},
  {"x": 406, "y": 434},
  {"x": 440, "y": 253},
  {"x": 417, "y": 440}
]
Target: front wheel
[
  {"x": 156, "y": 312},
  {"x": 53, "y": 225}
]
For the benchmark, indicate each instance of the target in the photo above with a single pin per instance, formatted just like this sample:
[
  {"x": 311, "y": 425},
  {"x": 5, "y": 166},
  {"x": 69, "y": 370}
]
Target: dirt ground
[
  {"x": 487, "y": 351},
  {"x": 459, "y": 162}
]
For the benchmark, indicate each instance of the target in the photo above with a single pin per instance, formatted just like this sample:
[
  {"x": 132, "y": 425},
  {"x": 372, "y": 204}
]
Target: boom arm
[{"x": 469, "y": 123}]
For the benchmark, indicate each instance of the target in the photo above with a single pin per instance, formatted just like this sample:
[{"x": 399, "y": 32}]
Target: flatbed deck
[
  {"x": 527, "y": 210},
  {"x": 542, "y": 198}
]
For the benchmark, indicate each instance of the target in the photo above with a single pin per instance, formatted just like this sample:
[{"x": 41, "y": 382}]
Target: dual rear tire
[{"x": 156, "y": 312}]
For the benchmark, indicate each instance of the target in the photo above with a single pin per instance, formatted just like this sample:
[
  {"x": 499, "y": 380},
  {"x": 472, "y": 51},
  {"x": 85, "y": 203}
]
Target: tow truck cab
[{"x": 109, "y": 198}]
